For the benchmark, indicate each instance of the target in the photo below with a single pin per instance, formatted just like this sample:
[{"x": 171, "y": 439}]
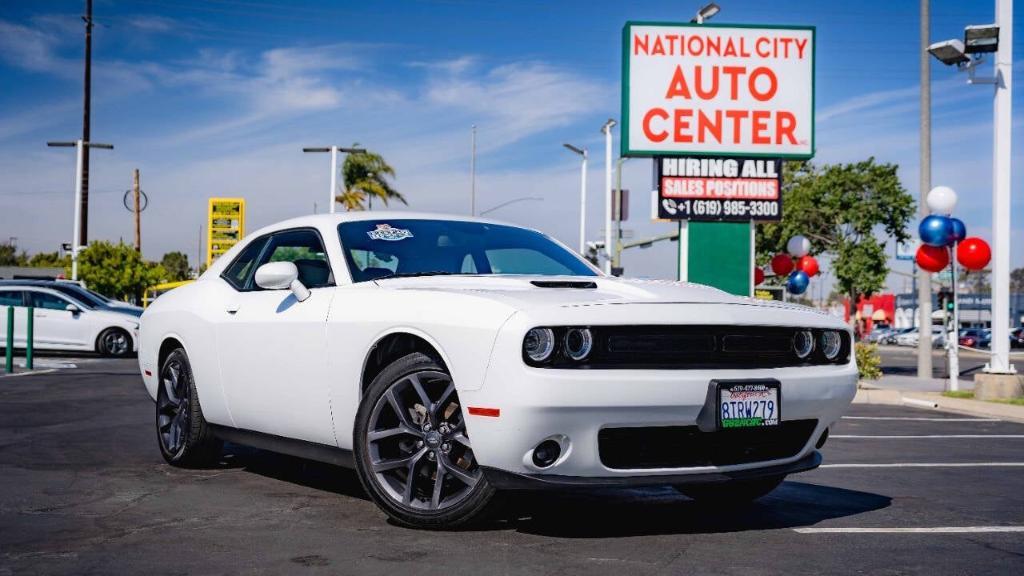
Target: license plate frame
[{"x": 762, "y": 415}]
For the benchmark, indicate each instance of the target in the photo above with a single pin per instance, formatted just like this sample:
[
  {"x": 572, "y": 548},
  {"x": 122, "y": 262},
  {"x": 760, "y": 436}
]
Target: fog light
[{"x": 546, "y": 453}]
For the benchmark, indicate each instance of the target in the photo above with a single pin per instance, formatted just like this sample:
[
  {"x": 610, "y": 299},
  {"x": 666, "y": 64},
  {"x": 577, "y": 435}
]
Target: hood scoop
[{"x": 581, "y": 284}]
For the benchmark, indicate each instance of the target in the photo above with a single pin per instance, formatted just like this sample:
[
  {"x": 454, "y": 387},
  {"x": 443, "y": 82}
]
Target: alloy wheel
[
  {"x": 115, "y": 342},
  {"x": 173, "y": 415},
  {"x": 419, "y": 452}
]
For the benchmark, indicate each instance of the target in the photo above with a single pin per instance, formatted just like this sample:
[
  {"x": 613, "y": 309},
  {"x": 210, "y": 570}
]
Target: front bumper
[
  {"x": 572, "y": 407},
  {"x": 511, "y": 481}
]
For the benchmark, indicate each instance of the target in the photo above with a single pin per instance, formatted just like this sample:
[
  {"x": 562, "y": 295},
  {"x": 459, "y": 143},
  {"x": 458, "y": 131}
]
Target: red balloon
[
  {"x": 808, "y": 264},
  {"x": 758, "y": 276},
  {"x": 973, "y": 253},
  {"x": 932, "y": 258},
  {"x": 782, "y": 264}
]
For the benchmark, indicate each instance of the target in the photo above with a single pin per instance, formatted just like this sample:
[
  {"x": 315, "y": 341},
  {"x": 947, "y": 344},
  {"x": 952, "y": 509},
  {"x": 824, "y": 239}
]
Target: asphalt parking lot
[{"x": 83, "y": 490}]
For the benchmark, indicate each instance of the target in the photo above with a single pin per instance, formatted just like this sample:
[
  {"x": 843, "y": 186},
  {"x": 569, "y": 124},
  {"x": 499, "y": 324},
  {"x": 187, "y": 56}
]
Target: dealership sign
[
  {"x": 738, "y": 189},
  {"x": 707, "y": 90}
]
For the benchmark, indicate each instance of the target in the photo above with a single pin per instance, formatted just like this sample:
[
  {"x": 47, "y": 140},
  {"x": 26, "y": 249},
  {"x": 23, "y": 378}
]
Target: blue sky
[{"x": 217, "y": 97}]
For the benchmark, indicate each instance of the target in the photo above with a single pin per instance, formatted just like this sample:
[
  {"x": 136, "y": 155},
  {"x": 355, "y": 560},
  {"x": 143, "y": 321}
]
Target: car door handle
[{"x": 232, "y": 308}]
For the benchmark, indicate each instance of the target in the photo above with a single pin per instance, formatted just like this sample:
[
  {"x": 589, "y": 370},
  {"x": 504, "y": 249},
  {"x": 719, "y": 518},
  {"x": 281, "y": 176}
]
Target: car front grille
[
  {"x": 696, "y": 347},
  {"x": 688, "y": 447}
]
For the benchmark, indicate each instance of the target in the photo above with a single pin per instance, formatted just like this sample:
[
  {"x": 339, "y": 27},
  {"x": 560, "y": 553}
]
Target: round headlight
[
  {"x": 578, "y": 343},
  {"x": 831, "y": 343},
  {"x": 539, "y": 344},
  {"x": 803, "y": 344}
]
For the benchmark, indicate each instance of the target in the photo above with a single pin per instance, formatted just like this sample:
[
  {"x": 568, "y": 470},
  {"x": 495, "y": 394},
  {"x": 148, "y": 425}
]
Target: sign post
[
  {"x": 225, "y": 221},
  {"x": 718, "y": 107}
]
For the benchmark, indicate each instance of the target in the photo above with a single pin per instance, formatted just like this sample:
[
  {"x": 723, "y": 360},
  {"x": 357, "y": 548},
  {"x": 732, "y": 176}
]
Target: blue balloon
[
  {"x": 936, "y": 230},
  {"x": 959, "y": 230},
  {"x": 798, "y": 282}
]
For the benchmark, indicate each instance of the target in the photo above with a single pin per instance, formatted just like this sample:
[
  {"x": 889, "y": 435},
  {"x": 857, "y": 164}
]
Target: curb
[
  {"x": 29, "y": 373},
  {"x": 868, "y": 394}
]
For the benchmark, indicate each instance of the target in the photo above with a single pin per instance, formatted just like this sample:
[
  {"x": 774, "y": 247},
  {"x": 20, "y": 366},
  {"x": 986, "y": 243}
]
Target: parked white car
[
  {"x": 64, "y": 322},
  {"x": 911, "y": 338},
  {"x": 446, "y": 358}
]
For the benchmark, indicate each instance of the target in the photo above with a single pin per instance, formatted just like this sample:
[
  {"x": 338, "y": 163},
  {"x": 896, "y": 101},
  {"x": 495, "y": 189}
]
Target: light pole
[
  {"x": 924, "y": 279},
  {"x": 583, "y": 194},
  {"x": 80, "y": 147},
  {"x": 966, "y": 56},
  {"x": 334, "y": 166},
  {"x": 617, "y": 203},
  {"x": 472, "y": 173},
  {"x": 513, "y": 201},
  {"x": 607, "y": 130}
]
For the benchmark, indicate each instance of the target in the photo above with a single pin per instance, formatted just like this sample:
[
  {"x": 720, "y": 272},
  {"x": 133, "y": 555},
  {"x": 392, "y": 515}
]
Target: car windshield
[
  {"x": 377, "y": 249},
  {"x": 79, "y": 293}
]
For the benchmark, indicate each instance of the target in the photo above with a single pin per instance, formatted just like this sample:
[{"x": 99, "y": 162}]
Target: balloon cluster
[
  {"x": 940, "y": 234},
  {"x": 798, "y": 264}
]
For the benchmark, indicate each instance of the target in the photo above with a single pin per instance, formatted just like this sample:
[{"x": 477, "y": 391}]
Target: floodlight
[
  {"x": 706, "y": 13},
  {"x": 579, "y": 151},
  {"x": 950, "y": 52},
  {"x": 981, "y": 38}
]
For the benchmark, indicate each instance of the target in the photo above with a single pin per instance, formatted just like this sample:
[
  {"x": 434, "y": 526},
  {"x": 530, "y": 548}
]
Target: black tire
[
  {"x": 464, "y": 502},
  {"x": 732, "y": 492},
  {"x": 184, "y": 437},
  {"x": 114, "y": 342}
]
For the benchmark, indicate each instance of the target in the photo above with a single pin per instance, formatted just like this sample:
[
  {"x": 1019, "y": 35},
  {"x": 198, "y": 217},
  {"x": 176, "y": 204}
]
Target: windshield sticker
[{"x": 386, "y": 232}]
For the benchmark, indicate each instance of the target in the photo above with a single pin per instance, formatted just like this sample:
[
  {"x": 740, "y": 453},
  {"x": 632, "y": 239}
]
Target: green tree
[
  {"x": 9, "y": 255},
  {"x": 117, "y": 270},
  {"x": 177, "y": 267},
  {"x": 1017, "y": 281},
  {"x": 50, "y": 260},
  {"x": 843, "y": 209},
  {"x": 365, "y": 174}
]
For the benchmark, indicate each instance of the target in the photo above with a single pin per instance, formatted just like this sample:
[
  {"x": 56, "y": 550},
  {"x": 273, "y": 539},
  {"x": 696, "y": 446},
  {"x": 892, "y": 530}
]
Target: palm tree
[{"x": 364, "y": 174}]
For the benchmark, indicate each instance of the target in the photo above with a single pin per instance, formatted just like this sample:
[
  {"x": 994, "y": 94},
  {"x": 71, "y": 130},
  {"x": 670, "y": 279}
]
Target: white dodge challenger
[{"x": 448, "y": 358}]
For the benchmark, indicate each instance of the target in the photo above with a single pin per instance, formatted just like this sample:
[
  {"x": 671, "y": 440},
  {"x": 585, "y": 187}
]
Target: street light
[
  {"x": 80, "y": 147},
  {"x": 334, "y": 165},
  {"x": 706, "y": 13},
  {"x": 583, "y": 194},
  {"x": 979, "y": 40},
  {"x": 513, "y": 201},
  {"x": 949, "y": 52},
  {"x": 607, "y": 130}
]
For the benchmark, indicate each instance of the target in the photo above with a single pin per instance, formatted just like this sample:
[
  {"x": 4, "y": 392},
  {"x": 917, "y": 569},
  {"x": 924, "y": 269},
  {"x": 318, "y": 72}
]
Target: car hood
[{"x": 530, "y": 292}]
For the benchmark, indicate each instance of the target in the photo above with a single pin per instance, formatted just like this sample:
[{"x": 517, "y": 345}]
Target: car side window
[
  {"x": 238, "y": 272},
  {"x": 48, "y": 301},
  {"x": 305, "y": 249},
  {"x": 11, "y": 298}
]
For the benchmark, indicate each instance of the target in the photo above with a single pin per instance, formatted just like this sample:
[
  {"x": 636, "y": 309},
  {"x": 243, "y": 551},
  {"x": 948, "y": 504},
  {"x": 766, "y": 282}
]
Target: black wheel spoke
[{"x": 427, "y": 429}]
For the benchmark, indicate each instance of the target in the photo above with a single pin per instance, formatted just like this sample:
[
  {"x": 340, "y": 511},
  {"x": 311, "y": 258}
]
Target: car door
[
  {"x": 55, "y": 325},
  {"x": 13, "y": 300},
  {"x": 272, "y": 348}
]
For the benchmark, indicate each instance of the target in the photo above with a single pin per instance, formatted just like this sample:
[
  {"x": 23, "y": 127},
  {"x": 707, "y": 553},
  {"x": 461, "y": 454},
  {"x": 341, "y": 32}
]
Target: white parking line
[
  {"x": 920, "y": 419},
  {"x": 935, "y": 530},
  {"x": 920, "y": 436},
  {"x": 930, "y": 465}
]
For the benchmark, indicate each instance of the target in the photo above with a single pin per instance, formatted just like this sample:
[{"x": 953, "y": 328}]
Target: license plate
[{"x": 748, "y": 404}]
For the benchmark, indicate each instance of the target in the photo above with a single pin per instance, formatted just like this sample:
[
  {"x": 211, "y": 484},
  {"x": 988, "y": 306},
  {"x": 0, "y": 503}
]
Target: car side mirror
[
  {"x": 73, "y": 309},
  {"x": 281, "y": 276}
]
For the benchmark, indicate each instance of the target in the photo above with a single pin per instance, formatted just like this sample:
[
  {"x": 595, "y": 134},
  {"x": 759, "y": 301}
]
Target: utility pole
[
  {"x": 83, "y": 229},
  {"x": 136, "y": 192},
  {"x": 332, "y": 200},
  {"x": 924, "y": 284},
  {"x": 472, "y": 174},
  {"x": 199, "y": 252}
]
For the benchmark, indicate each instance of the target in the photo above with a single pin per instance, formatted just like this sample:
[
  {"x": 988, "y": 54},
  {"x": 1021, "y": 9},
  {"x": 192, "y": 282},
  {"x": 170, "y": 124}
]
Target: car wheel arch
[{"x": 394, "y": 345}]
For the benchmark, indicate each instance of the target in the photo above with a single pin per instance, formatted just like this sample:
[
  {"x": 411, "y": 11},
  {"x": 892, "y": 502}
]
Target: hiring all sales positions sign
[
  {"x": 737, "y": 189},
  {"x": 717, "y": 90}
]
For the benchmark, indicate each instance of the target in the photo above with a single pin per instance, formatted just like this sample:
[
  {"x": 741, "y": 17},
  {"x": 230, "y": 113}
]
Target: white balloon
[
  {"x": 941, "y": 200},
  {"x": 798, "y": 246}
]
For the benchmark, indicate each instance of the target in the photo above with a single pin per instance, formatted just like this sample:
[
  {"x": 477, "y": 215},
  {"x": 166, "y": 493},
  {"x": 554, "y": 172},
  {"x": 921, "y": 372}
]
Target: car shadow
[
  {"x": 662, "y": 510},
  {"x": 300, "y": 471}
]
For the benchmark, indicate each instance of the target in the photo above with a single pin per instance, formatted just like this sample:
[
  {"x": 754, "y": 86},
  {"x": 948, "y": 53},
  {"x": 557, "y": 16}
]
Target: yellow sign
[{"x": 225, "y": 224}]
